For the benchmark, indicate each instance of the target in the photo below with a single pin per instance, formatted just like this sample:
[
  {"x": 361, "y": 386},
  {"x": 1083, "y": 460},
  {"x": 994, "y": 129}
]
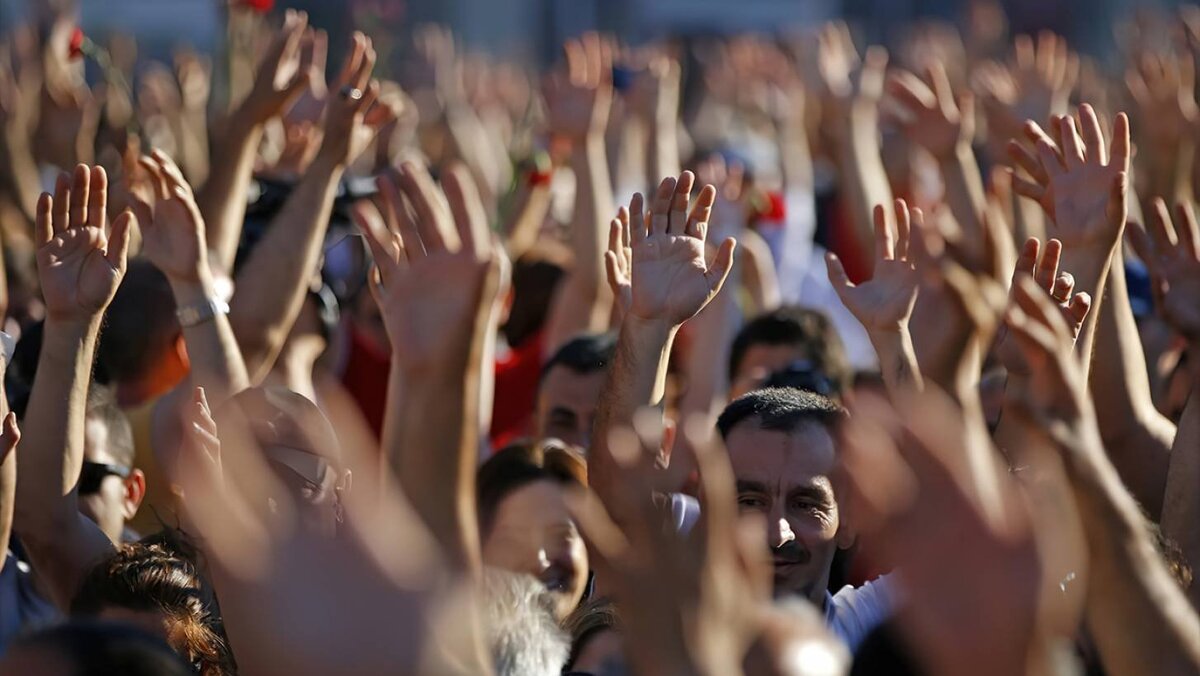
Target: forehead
[
  {"x": 533, "y": 505},
  {"x": 800, "y": 457},
  {"x": 95, "y": 441},
  {"x": 565, "y": 388},
  {"x": 767, "y": 358}
]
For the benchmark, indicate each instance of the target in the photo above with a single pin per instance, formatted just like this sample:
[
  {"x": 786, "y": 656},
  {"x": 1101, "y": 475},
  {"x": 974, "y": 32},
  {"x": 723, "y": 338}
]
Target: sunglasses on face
[{"x": 93, "y": 474}]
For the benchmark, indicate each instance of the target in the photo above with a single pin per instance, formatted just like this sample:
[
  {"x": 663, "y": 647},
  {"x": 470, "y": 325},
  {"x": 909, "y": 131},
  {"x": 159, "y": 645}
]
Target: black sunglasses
[{"x": 93, "y": 473}]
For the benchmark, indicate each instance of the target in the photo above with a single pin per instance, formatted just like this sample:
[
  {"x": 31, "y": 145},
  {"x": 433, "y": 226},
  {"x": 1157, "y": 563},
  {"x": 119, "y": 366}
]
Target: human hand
[
  {"x": 80, "y": 262},
  {"x": 656, "y": 90},
  {"x": 1042, "y": 266},
  {"x": 1163, "y": 88},
  {"x": 171, "y": 226},
  {"x": 1083, "y": 189},
  {"x": 691, "y": 601},
  {"x": 852, "y": 92},
  {"x": 194, "y": 73},
  {"x": 1171, "y": 252},
  {"x": 933, "y": 119},
  {"x": 281, "y": 76},
  {"x": 9, "y": 437},
  {"x": 310, "y": 105},
  {"x": 17, "y": 109},
  {"x": 351, "y": 115},
  {"x": 438, "y": 270},
  {"x": 885, "y": 302},
  {"x": 670, "y": 277},
  {"x": 1034, "y": 85},
  {"x": 579, "y": 100},
  {"x": 968, "y": 569},
  {"x": 618, "y": 261}
]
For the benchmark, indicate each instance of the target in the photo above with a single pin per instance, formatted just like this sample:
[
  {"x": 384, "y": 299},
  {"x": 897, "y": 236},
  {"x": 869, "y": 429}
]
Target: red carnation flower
[
  {"x": 260, "y": 6},
  {"x": 75, "y": 48}
]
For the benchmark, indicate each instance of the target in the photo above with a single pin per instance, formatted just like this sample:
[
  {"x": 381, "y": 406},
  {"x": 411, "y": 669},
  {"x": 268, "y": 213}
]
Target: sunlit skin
[
  {"x": 567, "y": 404},
  {"x": 785, "y": 477},
  {"x": 118, "y": 499},
  {"x": 759, "y": 362},
  {"x": 533, "y": 533}
]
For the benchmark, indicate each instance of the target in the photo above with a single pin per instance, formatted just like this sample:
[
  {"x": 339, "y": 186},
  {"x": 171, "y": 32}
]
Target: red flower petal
[{"x": 75, "y": 47}]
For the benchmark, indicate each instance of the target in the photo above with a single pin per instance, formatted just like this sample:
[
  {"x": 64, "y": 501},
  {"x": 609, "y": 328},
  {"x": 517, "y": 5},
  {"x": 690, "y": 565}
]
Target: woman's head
[
  {"x": 596, "y": 648},
  {"x": 524, "y": 524},
  {"x": 152, "y": 586}
]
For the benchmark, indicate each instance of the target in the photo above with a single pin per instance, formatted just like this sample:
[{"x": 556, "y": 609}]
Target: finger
[
  {"x": 1093, "y": 137},
  {"x": 660, "y": 207},
  {"x": 97, "y": 210},
  {"x": 903, "y": 230},
  {"x": 161, "y": 191},
  {"x": 118, "y": 240},
  {"x": 1064, "y": 285},
  {"x": 722, "y": 264},
  {"x": 1189, "y": 233},
  {"x": 470, "y": 219},
  {"x": 1143, "y": 246},
  {"x": 353, "y": 61},
  {"x": 363, "y": 76},
  {"x": 612, "y": 267},
  {"x": 1047, "y": 268},
  {"x": 10, "y": 437},
  {"x": 399, "y": 218},
  {"x": 62, "y": 203},
  {"x": 417, "y": 185},
  {"x": 1026, "y": 188},
  {"x": 837, "y": 273},
  {"x": 1120, "y": 142},
  {"x": 885, "y": 246},
  {"x": 1034, "y": 302},
  {"x": 1163, "y": 231},
  {"x": 637, "y": 218},
  {"x": 697, "y": 222},
  {"x": 677, "y": 218},
  {"x": 378, "y": 237},
  {"x": 1028, "y": 258},
  {"x": 80, "y": 184},
  {"x": 44, "y": 220},
  {"x": 171, "y": 172},
  {"x": 1072, "y": 145},
  {"x": 1026, "y": 160},
  {"x": 1077, "y": 311},
  {"x": 910, "y": 92}
]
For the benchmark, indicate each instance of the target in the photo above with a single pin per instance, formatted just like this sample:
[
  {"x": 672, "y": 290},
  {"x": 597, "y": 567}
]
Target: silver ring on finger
[{"x": 352, "y": 93}]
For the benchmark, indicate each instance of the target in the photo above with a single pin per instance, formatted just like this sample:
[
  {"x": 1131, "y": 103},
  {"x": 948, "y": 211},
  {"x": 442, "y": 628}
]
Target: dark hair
[
  {"x": 139, "y": 326},
  {"x": 102, "y": 406},
  {"x": 518, "y": 465},
  {"x": 806, "y": 329},
  {"x": 535, "y": 278},
  {"x": 103, "y": 648},
  {"x": 584, "y": 354},
  {"x": 588, "y": 620},
  {"x": 152, "y": 576},
  {"x": 780, "y": 409},
  {"x": 883, "y": 652}
]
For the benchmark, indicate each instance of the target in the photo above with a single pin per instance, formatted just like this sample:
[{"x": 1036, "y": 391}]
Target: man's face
[
  {"x": 567, "y": 404},
  {"x": 785, "y": 477},
  {"x": 116, "y": 499},
  {"x": 759, "y": 362}
]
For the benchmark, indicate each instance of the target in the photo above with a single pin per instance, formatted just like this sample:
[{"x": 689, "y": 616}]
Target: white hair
[{"x": 524, "y": 637}]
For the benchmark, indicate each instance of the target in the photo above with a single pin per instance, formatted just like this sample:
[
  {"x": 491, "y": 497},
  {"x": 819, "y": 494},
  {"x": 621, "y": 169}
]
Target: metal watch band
[{"x": 201, "y": 312}]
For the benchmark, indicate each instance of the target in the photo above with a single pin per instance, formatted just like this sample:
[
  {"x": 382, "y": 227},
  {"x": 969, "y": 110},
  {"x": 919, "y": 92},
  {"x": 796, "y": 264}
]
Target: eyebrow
[
  {"x": 746, "y": 486},
  {"x": 816, "y": 492}
]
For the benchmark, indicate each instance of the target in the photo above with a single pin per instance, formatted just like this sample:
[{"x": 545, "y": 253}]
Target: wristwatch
[{"x": 198, "y": 313}]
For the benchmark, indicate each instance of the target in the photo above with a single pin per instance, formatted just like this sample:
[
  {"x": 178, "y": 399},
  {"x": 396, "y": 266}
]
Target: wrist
[
  {"x": 70, "y": 326},
  {"x": 958, "y": 154},
  {"x": 191, "y": 290}
]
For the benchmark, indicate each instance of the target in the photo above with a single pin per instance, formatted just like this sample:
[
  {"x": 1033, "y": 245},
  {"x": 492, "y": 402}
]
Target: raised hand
[
  {"x": 852, "y": 90},
  {"x": 314, "y": 52},
  {"x": 349, "y": 119},
  {"x": 885, "y": 302},
  {"x": 80, "y": 262},
  {"x": 932, "y": 118},
  {"x": 171, "y": 226},
  {"x": 670, "y": 277},
  {"x": 1081, "y": 186},
  {"x": 1171, "y": 252},
  {"x": 579, "y": 99},
  {"x": 1041, "y": 264},
  {"x": 1035, "y": 85},
  {"x": 1164, "y": 89},
  {"x": 618, "y": 261},
  {"x": 281, "y": 76},
  {"x": 437, "y": 268}
]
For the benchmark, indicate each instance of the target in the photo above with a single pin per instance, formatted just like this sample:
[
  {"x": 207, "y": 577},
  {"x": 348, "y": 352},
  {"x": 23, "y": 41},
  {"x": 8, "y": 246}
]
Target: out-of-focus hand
[
  {"x": 579, "y": 99},
  {"x": 970, "y": 574},
  {"x": 1035, "y": 85},
  {"x": 281, "y": 76},
  {"x": 670, "y": 276},
  {"x": 1171, "y": 252},
  {"x": 1164, "y": 89},
  {"x": 1041, "y": 264},
  {"x": 194, "y": 73},
  {"x": 310, "y": 106},
  {"x": 17, "y": 108},
  {"x": 618, "y": 261},
  {"x": 171, "y": 226},
  {"x": 438, "y": 267},
  {"x": 656, "y": 90},
  {"x": 885, "y": 302},
  {"x": 692, "y": 602},
  {"x": 1083, "y": 188},
  {"x": 932, "y": 118},
  {"x": 852, "y": 90},
  {"x": 80, "y": 261},
  {"x": 350, "y": 121}
]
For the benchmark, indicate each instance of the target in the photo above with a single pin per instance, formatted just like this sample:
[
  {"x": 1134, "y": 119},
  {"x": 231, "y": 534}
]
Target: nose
[
  {"x": 779, "y": 533},
  {"x": 543, "y": 560}
]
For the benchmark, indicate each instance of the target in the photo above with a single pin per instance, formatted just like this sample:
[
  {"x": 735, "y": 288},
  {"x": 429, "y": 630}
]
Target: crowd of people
[{"x": 752, "y": 354}]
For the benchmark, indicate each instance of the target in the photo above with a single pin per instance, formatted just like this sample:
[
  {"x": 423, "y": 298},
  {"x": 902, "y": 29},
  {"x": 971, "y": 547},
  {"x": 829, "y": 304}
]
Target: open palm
[
  {"x": 78, "y": 266},
  {"x": 172, "y": 228},
  {"x": 884, "y": 302},
  {"x": 1171, "y": 252}
]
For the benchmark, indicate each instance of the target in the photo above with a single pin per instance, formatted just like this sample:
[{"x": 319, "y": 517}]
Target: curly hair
[{"x": 154, "y": 576}]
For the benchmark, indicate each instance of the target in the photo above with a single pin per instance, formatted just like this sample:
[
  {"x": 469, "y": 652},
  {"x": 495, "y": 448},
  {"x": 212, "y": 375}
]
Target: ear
[
  {"x": 135, "y": 492},
  {"x": 180, "y": 351},
  {"x": 846, "y": 536}
]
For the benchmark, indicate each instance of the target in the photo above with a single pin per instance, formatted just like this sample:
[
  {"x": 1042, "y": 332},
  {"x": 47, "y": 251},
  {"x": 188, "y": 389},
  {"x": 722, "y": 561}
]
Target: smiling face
[
  {"x": 533, "y": 533},
  {"x": 785, "y": 477}
]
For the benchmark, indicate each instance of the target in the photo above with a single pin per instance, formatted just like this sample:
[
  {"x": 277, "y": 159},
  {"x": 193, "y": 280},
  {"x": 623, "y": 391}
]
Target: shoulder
[{"x": 853, "y": 612}]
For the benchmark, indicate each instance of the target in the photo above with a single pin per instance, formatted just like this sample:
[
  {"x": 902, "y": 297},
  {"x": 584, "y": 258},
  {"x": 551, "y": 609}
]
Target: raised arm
[
  {"x": 670, "y": 282},
  {"x": 1172, "y": 253},
  {"x": 1137, "y": 615},
  {"x": 8, "y": 473},
  {"x": 79, "y": 268},
  {"x": 884, "y": 304},
  {"x": 579, "y": 102},
  {"x": 271, "y": 285},
  {"x": 437, "y": 287},
  {"x": 222, "y": 200}
]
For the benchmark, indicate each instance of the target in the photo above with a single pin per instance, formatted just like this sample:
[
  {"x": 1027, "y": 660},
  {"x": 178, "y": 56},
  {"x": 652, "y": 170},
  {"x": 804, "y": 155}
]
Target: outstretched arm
[
  {"x": 271, "y": 286},
  {"x": 80, "y": 269},
  {"x": 670, "y": 283},
  {"x": 438, "y": 285}
]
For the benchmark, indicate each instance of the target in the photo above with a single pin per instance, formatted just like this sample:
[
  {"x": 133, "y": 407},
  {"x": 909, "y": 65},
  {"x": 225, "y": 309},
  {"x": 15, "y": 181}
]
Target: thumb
[
  {"x": 837, "y": 273},
  {"x": 721, "y": 265},
  {"x": 118, "y": 241},
  {"x": 10, "y": 436}
]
